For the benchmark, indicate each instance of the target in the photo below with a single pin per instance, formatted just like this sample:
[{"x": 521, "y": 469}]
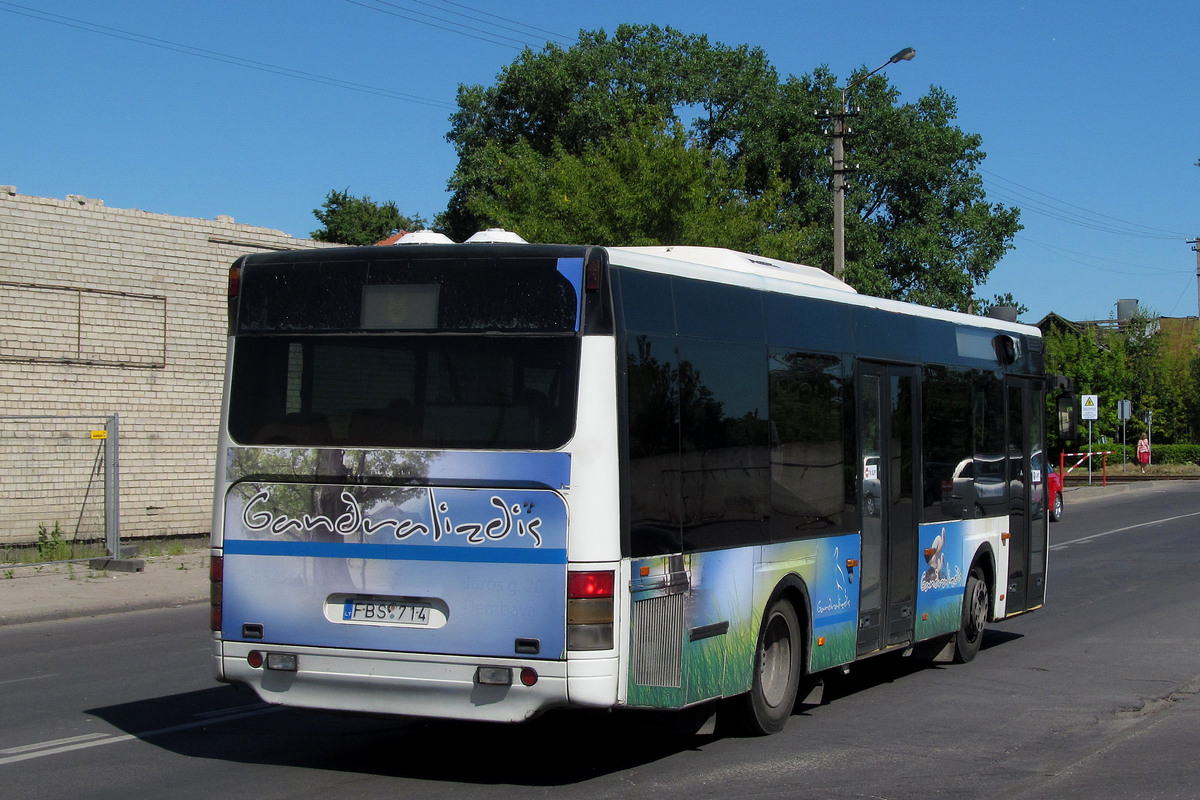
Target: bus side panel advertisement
[
  {"x": 942, "y": 578},
  {"x": 827, "y": 568},
  {"x": 420, "y": 569},
  {"x": 722, "y": 613}
]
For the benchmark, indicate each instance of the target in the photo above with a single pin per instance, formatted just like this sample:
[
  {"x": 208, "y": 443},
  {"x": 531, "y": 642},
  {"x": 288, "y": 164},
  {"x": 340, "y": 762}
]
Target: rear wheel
[
  {"x": 1057, "y": 509},
  {"x": 777, "y": 665},
  {"x": 974, "y": 618}
]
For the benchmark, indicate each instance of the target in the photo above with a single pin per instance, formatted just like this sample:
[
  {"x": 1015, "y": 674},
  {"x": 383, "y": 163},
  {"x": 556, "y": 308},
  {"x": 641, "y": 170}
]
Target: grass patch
[{"x": 51, "y": 544}]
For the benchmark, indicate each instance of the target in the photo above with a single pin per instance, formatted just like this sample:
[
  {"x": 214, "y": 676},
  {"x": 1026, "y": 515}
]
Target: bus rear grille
[{"x": 658, "y": 641}]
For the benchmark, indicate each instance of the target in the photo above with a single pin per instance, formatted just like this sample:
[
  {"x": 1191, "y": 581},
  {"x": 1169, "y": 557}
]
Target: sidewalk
[
  {"x": 63, "y": 591},
  {"x": 1077, "y": 491}
]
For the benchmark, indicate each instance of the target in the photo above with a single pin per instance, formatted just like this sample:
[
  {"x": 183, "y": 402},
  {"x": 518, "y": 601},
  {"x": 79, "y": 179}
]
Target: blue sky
[{"x": 257, "y": 108}]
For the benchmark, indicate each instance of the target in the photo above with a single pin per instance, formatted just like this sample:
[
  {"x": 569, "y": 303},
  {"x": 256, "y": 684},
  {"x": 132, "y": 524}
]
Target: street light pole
[{"x": 839, "y": 131}]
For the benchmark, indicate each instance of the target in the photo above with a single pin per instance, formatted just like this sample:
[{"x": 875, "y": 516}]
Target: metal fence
[{"x": 60, "y": 485}]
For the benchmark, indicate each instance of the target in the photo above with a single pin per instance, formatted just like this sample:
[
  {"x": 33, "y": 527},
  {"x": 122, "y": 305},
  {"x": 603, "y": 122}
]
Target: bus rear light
[
  {"x": 591, "y": 272},
  {"x": 590, "y": 584},
  {"x": 493, "y": 676},
  {"x": 590, "y": 637},
  {"x": 216, "y": 578},
  {"x": 235, "y": 281},
  {"x": 590, "y": 610},
  {"x": 529, "y": 676},
  {"x": 282, "y": 662},
  {"x": 255, "y": 658}
]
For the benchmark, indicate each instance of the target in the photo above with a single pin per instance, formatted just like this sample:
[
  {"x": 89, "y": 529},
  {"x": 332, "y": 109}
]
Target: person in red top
[{"x": 1143, "y": 452}]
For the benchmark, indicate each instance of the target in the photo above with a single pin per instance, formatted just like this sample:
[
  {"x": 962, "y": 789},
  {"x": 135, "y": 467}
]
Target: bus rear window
[
  {"x": 446, "y": 391},
  {"x": 529, "y": 294}
]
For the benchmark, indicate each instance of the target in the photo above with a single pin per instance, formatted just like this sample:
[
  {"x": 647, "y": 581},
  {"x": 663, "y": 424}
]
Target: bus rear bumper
[{"x": 370, "y": 682}]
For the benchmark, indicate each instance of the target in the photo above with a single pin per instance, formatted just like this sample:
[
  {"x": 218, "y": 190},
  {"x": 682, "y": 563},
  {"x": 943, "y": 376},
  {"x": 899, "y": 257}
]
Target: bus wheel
[
  {"x": 766, "y": 708},
  {"x": 974, "y": 617}
]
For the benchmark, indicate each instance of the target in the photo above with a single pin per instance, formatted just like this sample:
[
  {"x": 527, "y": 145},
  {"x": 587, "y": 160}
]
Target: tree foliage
[
  {"x": 648, "y": 187},
  {"x": 1132, "y": 362},
  {"x": 653, "y": 136},
  {"x": 359, "y": 220}
]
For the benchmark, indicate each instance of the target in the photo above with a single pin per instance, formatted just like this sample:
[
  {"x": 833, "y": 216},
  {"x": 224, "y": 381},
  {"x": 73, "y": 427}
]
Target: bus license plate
[{"x": 386, "y": 612}]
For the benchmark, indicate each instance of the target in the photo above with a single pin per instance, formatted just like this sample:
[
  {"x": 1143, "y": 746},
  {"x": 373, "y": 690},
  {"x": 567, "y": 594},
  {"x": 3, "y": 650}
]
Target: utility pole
[
  {"x": 838, "y": 131},
  {"x": 1195, "y": 243}
]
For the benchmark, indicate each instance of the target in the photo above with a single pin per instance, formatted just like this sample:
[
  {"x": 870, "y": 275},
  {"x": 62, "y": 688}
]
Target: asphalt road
[{"x": 1092, "y": 697}]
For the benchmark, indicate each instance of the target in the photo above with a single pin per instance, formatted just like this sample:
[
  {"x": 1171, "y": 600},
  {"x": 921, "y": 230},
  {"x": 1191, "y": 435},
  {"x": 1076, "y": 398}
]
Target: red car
[{"x": 1054, "y": 493}]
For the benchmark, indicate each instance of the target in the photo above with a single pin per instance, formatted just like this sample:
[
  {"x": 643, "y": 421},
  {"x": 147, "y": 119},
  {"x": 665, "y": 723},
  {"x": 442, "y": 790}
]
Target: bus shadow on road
[
  {"x": 892, "y": 667},
  {"x": 224, "y": 724}
]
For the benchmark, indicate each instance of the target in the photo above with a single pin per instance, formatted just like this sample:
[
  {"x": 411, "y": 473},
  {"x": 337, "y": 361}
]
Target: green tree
[
  {"x": 1096, "y": 362},
  {"x": 627, "y": 112},
  {"x": 359, "y": 220},
  {"x": 1135, "y": 362},
  {"x": 1192, "y": 400},
  {"x": 650, "y": 187}
]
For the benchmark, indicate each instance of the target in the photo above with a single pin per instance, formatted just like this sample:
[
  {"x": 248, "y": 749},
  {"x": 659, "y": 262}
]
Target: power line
[
  {"x": 421, "y": 18},
  {"x": 212, "y": 55},
  {"x": 1028, "y": 199},
  {"x": 478, "y": 15},
  {"x": 1090, "y": 261}
]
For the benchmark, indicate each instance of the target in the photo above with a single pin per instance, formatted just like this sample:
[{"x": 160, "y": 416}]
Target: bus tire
[
  {"x": 974, "y": 618},
  {"x": 777, "y": 666}
]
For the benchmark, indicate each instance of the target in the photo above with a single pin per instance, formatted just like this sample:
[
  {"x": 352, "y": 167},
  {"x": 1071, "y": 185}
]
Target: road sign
[
  {"x": 1091, "y": 407},
  {"x": 1124, "y": 409}
]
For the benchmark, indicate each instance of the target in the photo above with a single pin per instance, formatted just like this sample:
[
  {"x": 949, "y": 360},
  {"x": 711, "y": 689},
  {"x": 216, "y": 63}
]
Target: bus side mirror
[
  {"x": 1008, "y": 349},
  {"x": 1066, "y": 418}
]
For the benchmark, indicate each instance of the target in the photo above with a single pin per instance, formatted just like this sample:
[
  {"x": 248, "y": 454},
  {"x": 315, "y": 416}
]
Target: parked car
[
  {"x": 977, "y": 489},
  {"x": 1054, "y": 493},
  {"x": 872, "y": 501}
]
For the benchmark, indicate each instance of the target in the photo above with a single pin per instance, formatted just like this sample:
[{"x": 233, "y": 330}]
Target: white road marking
[
  {"x": 56, "y": 746},
  {"x": 54, "y": 743},
  {"x": 31, "y": 678},
  {"x": 1094, "y": 536}
]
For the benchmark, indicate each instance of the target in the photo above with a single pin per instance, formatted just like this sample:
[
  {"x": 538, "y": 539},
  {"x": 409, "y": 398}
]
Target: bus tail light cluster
[
  {"x": 590, "y": 610},
  {"x": 235, "y": 289},
  {"x": 216, "y": 579}
]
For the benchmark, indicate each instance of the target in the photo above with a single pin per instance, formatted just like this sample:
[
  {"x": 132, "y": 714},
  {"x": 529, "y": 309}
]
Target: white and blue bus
[{"x": 482, "y": 481}]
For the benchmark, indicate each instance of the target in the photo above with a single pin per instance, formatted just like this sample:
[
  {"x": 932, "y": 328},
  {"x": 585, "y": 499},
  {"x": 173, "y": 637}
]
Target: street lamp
[{"x": 839, "y": 130}]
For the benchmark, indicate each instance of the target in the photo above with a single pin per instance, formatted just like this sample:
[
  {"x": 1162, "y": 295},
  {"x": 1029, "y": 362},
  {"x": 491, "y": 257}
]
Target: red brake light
[
  {"x": 591, "y": 272},
  {"x": 216, "y": 574},
  {"x": 582, "y": 585},
  {"x": 235, "y": 281}
]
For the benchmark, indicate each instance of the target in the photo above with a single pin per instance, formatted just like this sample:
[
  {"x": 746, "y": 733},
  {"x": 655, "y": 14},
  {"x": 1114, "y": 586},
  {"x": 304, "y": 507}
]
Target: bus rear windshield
[
  {"x": 433, "y": 392},
  {"x": 353, "y": 293}
]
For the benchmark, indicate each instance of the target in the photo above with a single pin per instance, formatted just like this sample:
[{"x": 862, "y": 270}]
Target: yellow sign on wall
[{"x": 99, "y": 434}]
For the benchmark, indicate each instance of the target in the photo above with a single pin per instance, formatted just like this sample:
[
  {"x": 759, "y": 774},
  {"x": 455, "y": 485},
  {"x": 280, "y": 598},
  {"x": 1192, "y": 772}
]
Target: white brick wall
[{"x": 108, "y": 310}]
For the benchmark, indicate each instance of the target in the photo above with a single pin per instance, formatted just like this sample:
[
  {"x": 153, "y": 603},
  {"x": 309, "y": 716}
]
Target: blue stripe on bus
[{"x": 405, "y": 552}]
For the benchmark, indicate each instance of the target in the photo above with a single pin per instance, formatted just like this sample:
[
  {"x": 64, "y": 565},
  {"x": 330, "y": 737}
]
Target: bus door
[
  {"x": 888, "y": 429},
  {"x": 1027, "y": 495}
]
